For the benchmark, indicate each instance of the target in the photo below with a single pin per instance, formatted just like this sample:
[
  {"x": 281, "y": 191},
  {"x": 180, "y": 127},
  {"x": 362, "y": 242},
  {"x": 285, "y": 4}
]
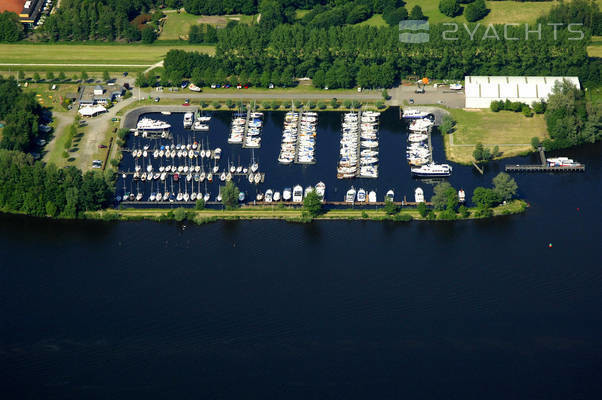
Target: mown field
[
  {"x": 511, "y": 131},
  {"x": 500, "y": 12},
  {"x": 177, "y": 26},
  {"x": 93, "y": 54},
  {"x": 595, "y": 49}
]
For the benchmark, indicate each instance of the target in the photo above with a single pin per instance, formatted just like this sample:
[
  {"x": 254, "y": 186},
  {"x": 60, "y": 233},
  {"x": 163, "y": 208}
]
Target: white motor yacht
[
  {"x": 298, "y": 194},
  {"x": 419, "y": 195}
]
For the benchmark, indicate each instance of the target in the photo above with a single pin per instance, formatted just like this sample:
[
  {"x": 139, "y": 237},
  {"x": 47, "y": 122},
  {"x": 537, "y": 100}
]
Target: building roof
[
  {"x": 12, "y": 5},
  {"x": 482, "y": 90}
]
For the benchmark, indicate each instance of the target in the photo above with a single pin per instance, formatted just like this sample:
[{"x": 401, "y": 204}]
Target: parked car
[
  {"x": 157, "y": 99},
  {"x": 125, "y": 74},
  {"x": 102, "y": 146},
  {"x": 411, "y": 101}
]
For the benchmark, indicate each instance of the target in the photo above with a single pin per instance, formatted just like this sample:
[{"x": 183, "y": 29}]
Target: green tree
[
  {"x": 84, "y": 76},
  {"x": 422, "y": 209},
  {"x": 390, "y": 207},
  {"x": 334, "y": 103},
  {"x": 484, "y": 198},
  {"x": 148, "y": 35},
  {"x": 416, "y": 13},
  {"x": 62, "y": 76},
  {"x": 230, "y": 195},
  {"x": 312, "y": 204},
  {"x": 478, "y": 152},
  {"x": 105, "y": 76},
  {"x": 447, "y": 124},
  {"x": 445, "y": 196},
  {"x": 535, "y": 142},
  {"x": 50, "y": 76},
  {"x": 36, "y": 77},
  {"x": 21, "y": 75},
  {"x": 179, "y": 214},
  {"x": 200, "y": 204},
  {"x": 451, "y": 8},
  {"x": 504, "y": 186},
  {"x": 385, "y": 94},
  {"x": 475, "y": 11}
]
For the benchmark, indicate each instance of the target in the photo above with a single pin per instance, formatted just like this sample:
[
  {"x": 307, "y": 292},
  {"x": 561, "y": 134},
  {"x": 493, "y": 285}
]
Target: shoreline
[{"x": 289, "y": 214}]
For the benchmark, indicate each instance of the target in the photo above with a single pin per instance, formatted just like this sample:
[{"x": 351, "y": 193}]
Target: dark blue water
[
  {"x": 394, "y": 171},
  {"x": 329, "y": 310}
]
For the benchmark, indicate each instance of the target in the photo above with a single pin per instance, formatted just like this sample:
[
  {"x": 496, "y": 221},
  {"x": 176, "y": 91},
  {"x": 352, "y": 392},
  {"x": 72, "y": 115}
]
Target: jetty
[
  {"x": 246, "y": 131},
  {"x": 544, "y": 167}
]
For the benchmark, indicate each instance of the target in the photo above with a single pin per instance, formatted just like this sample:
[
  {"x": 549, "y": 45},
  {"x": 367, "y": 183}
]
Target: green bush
[
  {"x": 322, "y": 105},
  {"x": 200, "y": 204},
  {"x": 402, "y": 217},
  {"x": 179, "y": 214}
]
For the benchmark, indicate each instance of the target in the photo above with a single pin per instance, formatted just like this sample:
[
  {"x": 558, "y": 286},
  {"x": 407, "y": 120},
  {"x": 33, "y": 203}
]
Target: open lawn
[
  {"x": 133, "y": 54},
  {"x": 512, "y": 132},
  {"x": 500, "y": 11},
  {"x": 375, "y": 20},
  {"x": 51, "y": 98},
  {"x": 177, "y": 26},
  {"x": 595, "y": 49}
]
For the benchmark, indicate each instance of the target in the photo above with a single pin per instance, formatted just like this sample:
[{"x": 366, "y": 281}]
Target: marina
[{"x": 196, "y": 164}]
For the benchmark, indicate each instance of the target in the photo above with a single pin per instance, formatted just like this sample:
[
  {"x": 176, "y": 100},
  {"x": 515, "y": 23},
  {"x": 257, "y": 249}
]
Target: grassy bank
[
  {"x": 223, "y": 106},
  {"x": 285, "y": 213},
  {"x": 511, "y": 131}
]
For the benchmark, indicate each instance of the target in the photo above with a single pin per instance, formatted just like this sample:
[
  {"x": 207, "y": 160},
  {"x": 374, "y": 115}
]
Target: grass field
[
  {"x": 375, "y": 20},
  {"x": 595, "y": 49},
  {"x": 512, "y": 132},
  {"x": 177, "y": 26},
  {"x": 51, "y": 98},
  {"x": 500, "y": 11},
  {"x": 133, "y": 54}
]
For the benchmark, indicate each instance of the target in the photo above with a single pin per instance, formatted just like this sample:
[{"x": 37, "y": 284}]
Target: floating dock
[{"x": 544, "y": 167}]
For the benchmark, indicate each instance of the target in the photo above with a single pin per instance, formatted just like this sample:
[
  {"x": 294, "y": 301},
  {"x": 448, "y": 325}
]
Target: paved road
[
  {"x": 402, "y": 94},
  {"x": 263, "y": 96}
]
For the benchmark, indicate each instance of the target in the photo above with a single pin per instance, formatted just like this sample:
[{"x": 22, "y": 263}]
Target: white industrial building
[{"x": 480, "y": 91}]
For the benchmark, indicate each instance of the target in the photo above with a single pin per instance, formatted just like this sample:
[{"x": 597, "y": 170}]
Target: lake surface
[{"x": 329, "y": 310}]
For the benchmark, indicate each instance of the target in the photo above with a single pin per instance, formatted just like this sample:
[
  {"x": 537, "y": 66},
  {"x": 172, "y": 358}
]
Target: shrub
[
  {"x": 364, "y": 215},
  {"x": 347, "y": 103},
  {"x": 451, "y": 8},
  {"x": 390, "y": 207},
  {"x": 216, "y": 104},
  {"x": 275, "y": 105},
  {"x": 535, "y": 142},
  {"x": 179, "y": 214},
  {"x": 334, "y": 103},
  {"x": 200, "y": 204},
  {"x": 380, "y": 104},
  {"x": 321, "y": 105},
  {"x": 402, "y": 217},
  {"x": 463, "y": 211},
  {"x": 422, "y": 210}
]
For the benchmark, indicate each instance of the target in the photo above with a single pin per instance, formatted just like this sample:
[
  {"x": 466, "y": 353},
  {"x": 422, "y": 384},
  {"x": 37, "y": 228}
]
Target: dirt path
[{"x": 63, "y": 120}]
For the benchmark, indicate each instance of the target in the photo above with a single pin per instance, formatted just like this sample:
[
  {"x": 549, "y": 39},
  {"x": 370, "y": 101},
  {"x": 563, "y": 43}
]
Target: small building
[
  {"x": 480, "y": 91},
  {"x": 92, "y": 95}
]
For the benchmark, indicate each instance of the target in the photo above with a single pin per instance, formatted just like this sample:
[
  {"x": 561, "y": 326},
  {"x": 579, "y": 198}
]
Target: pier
[
  {"x": 544, "y": 167},
  {"x": 246, "y": 131},
  {"x": 298, "y": 135},
  {"x": 276, "y": 203}
]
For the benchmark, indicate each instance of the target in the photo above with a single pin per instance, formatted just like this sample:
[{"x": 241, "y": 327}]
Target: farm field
[
  {"x": 177, "y": 25},
  {"x": 512, "y": 132},
  {"x": 92, "y": 54}
]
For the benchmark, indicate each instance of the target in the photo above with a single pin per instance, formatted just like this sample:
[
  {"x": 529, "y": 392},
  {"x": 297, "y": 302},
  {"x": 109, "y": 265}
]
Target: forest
[
  {"x": 97, "y": 20},
  {"x": 46, "y": 191},
  {"x": 20, "y": 113}
]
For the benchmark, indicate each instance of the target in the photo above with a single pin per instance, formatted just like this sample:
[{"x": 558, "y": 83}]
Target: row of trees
[
  {"x": 219, "y": 7},
  {"x": 11, "y": 29},
  {"x": 34, "y": 189},
  {"x": 21, "y": 113},
  {"x": 347, "y": 51}
]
